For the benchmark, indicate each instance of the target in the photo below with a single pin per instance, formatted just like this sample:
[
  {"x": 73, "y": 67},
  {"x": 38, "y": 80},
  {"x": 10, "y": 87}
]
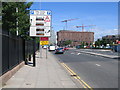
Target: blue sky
[{"x": 102, "y": 14}]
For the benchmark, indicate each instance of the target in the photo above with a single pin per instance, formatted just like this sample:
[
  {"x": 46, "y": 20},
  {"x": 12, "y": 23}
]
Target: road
[{"x": 96, "y": 71}]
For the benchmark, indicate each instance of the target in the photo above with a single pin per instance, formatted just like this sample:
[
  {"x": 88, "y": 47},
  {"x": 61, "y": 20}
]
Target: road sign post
[
  {"x": 40, "y": 26},
  {"x": 34, "y": 48},
  {"x": 44, "y": 41},
  {"x": 46, "y": 52},
  {"x": 40, "y": 51}
]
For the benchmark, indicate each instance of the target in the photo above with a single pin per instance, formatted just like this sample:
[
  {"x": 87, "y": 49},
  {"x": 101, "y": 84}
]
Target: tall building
[{"x": 76, "y": 37}]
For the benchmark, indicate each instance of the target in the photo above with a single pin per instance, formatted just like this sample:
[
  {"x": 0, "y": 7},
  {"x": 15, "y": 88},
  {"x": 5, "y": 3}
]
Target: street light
[{"x": 17, "y": 21}]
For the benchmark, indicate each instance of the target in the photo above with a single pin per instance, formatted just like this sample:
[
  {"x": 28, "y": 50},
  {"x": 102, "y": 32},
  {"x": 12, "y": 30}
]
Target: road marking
[
  {"x": 83, "y": 83},
  {"x": 98, "y": 65},
  {"x": 78, "y": 53},
  {"x": 72, "y": 53}
]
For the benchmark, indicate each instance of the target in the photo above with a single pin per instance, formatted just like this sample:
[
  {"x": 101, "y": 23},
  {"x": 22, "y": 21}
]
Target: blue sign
[
  {"x": 48, "y": 12},
  {"x": 31, "y": 12}
]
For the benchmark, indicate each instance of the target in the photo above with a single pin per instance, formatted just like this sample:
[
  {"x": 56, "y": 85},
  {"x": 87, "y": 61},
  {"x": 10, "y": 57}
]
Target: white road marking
[
  {"x": 78, "y": 53},
  {"x": 97, "y": 65},
  {"x": 72, "y": 53}
]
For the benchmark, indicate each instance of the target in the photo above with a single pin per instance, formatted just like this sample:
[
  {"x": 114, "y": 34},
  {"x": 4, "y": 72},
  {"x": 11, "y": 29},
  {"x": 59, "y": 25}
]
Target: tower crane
[
  {"x": 84, "y": 26},
  {"x": 68, "y": 20}
]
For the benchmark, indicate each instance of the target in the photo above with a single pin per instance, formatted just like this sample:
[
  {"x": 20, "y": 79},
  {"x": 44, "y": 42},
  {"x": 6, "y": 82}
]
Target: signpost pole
[
  {"x": 39, "y": 48},
  {"x": 34, "y": 62},
  {"x": 40, "y": 51},
  {"x": 46, "y": 53}
]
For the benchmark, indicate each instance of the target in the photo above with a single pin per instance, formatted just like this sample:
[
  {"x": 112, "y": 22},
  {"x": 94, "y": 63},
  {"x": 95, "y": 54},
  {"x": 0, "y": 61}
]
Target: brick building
[
  {"x": 112, "y": 38},
  {"x": 76, "y": 37}
]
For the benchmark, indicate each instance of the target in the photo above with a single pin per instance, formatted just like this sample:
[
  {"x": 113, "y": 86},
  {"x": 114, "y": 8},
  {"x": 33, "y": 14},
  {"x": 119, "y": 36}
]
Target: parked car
[
  {"x": 66, "y": 48},
  {"x": 45, "y": 47},
  {"x": 59, "y": 51}
]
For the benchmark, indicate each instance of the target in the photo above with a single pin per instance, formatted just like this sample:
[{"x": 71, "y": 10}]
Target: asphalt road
[
  {"x": 101, "y": 51},
  {"x": 96, "y": 71}
]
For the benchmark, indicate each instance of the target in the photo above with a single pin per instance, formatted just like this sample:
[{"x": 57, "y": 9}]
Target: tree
[
  {"x": 67, "y": 42},
  {"x": 83, "y": 43},
  {"x": 104, "y": 42},
  {"x": 87, "y": 44},
  {"x": 10, "y": 17},
  {"x": 111, "y": 43}
]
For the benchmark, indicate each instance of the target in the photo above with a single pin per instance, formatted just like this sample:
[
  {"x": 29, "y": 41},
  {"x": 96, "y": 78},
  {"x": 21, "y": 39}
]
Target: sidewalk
[{"x": 48, "y": 73}]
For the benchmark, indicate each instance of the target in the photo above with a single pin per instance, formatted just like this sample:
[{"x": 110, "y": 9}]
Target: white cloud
[{"x": 98, "y": 32}]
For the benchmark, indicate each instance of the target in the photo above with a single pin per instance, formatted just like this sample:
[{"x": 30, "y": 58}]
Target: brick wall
[{"x": 75, "y": 37}]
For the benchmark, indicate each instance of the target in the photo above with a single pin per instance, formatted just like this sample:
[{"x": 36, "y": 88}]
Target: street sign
[
  {"x": 44, "y": 38},
  {"x": 40, "y": 12},
  {"x": 47, "y": 19},
  {"x": 40, "y": 23},
  {"x": 40, "y": 31},
  {"x": 44, "y": 42}
]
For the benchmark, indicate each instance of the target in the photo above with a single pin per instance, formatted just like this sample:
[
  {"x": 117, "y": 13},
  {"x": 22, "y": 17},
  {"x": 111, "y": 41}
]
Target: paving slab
[{"x": 48, "y": 73}]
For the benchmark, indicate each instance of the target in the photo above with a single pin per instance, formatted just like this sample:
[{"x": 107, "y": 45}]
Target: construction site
[{"x": 76, "y": 37}]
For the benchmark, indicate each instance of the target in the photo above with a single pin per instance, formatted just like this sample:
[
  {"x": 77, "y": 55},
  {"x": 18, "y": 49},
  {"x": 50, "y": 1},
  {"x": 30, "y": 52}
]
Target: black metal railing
[{"x": 15, "y": 50}]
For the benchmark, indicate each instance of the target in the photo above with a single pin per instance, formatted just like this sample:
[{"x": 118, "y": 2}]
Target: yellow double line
[{"x": 72, "y": 73}]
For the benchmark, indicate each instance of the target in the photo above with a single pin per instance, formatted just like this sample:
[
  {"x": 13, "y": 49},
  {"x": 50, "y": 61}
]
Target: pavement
[{"x": 48, "y": 73}]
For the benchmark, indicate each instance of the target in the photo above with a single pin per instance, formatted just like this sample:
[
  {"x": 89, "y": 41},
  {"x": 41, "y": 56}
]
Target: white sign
[
  {"x": 40, "y": 20},
  {"x": 40, "y": 23},
  {"x": 40, "y": 12},
  {"x": 40, "y": 31}
]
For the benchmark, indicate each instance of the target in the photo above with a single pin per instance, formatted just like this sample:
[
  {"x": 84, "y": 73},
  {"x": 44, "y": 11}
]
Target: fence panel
[
  {"x": 5, "y": 53},
  {"x": 14, "y": 51}
]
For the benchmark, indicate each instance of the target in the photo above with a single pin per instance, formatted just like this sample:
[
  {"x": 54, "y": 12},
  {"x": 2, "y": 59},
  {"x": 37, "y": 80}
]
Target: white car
[
  {"x": 51, "y": 48},
  {"x": 44, "y": 47}
]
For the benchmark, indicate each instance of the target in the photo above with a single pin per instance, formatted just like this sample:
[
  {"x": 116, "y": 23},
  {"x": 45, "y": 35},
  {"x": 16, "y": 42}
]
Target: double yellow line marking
[{"x": 72, "y": 73}]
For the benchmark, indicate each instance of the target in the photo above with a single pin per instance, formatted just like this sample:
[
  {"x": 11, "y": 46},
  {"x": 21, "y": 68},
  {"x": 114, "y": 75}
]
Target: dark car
[{"x": 59, "y": 51}]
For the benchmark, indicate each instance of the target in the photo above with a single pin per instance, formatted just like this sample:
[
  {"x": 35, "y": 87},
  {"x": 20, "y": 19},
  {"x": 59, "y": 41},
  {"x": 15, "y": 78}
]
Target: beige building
[{"x": 76, "y": 37}]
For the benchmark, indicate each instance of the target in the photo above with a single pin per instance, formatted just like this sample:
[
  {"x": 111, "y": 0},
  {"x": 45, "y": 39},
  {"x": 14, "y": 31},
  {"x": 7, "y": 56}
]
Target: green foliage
[
  {"x": 67, "y": 42},
  {"x": 111, "y": 43},
  {"x": 103, "y": 42},
  {"x": 10, "y": 17},
  {"x": 37, "y": 40},
  {"x": 83, "y": 44}
]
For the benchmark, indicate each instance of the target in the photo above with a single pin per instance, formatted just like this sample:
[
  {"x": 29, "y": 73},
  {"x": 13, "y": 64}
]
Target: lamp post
[{"x": 17, "y": 21}]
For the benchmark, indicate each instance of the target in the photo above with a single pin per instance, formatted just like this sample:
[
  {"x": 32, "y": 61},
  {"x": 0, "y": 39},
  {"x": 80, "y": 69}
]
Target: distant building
[
  {"x": 112, "y": 38},
  {"x": 76, "y": 37},
  {"x": 52, "y": 39}
]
